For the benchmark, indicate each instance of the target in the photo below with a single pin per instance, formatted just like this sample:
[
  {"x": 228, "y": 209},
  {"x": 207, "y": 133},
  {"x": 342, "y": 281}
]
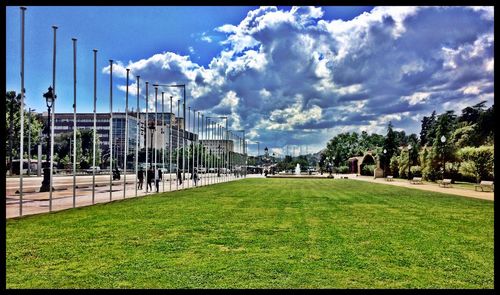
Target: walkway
[
  {"x": 434, "y": 187},
  {"x": 35, "y": 202}
]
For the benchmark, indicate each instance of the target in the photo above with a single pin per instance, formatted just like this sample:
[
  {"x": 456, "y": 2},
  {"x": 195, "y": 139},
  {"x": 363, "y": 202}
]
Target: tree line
[{"x": 467, "y": 150}]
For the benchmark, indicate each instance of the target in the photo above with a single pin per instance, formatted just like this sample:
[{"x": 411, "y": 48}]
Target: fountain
[{"x": 297, "y": 169}]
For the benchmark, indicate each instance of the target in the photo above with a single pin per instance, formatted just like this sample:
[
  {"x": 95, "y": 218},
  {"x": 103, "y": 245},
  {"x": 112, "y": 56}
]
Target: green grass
[{"x": 260, "y": 233}]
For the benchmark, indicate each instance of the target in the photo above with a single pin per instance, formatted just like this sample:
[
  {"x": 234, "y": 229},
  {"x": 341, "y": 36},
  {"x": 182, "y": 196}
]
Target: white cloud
[
  {"x": 416, "y": 98},
  {"x": 286, "y": 71}
]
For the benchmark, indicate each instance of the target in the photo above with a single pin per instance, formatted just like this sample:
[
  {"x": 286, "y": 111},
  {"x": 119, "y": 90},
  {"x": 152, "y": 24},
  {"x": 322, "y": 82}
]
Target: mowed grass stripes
[{"x": 260, "y": 233}]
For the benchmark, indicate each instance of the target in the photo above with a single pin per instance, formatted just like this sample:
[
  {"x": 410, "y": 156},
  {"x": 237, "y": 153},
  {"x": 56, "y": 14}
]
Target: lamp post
[
  {"x": 329, "y": 159},
  {"x": 333, "y": 163},
  {"x": 385, "y": 159},
  {"x": 49, "y": 99},
  {"x": 409, "y": 149},
  {"x": 443, "y": 140}
]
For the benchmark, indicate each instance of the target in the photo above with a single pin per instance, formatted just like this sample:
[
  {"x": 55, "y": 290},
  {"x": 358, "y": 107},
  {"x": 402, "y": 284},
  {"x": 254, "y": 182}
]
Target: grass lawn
[{"x": 260, "y": 233}]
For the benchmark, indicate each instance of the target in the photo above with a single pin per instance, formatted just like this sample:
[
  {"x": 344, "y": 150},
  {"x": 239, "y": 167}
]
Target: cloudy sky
[{"x": 287, "y": 75}]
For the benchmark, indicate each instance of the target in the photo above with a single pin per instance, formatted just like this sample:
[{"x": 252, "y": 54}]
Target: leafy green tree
[
  {"x": 481, "y": 159},
  {"x": 394, "y": 165},
  {"x": 13, "y": 121}
]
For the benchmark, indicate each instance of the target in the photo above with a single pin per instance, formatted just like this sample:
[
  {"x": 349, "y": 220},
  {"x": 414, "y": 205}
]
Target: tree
[
  {"x": 390, "y": 145},
  {"x": 471, "y": 114},
  {"x": 482, "y": 160},
  {"x": 427, "y": 132},
  {"x": 13, "y": 119},
  {"x": 485, "y": 128},
  {"x": 342, "y": 147}
]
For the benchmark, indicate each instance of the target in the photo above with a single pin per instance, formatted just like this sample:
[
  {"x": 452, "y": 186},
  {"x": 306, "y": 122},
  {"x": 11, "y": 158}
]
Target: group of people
[
  {"x": 156, "y": 176},
  {"x": 151, "y": 175}
]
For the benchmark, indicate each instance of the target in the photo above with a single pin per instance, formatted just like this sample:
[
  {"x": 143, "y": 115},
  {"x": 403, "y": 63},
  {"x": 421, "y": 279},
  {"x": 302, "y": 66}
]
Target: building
[
  {"x": 63, "y": 123},
  {"x": 215, "y": 144}
]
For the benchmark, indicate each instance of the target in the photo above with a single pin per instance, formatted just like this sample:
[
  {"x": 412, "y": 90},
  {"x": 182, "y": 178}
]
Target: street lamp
[
  {"x": 385, "y": 160},
  {"x": 443, "y": 140},
  {"x": 329, "y": 166},
  {"x": 333, "y": 164},
  {"x": 50, "y": 97},
  {"x": 409, "y": 148}
]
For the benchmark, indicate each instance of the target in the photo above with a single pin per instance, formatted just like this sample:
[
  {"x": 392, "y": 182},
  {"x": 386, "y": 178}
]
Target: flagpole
[
  {"x": 170, "y": 144},
  {"x": 110, "y": 129},
  {"x": 163, "y": 140},
  {"x": 178, "y": 137},
  {"x": 95, "y": 127},
  {"x": 138, "y": 117},
  {"x": 74, "y": 122},
  {"x": 53, "y": 119},
  {"x": 187, "y": 143},
  {"x": 155, "y": 134},
  {"x": 126, "y": 138},
  {"x": 146, "y": 132},
  {"x": 21, "y": 154}
]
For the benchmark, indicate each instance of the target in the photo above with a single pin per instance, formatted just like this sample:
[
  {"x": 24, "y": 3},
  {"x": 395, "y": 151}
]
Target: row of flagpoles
[{"x": 207, "y": 127}]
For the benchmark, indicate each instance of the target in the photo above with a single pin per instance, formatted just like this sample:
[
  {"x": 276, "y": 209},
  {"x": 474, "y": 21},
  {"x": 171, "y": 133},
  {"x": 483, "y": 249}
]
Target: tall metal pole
[
  {"x": 163, "y": 139},
  {"x": 170, "y": 144},
  {"x": 126, "y": 138},
  {"x": 110, "y": 129},
  {"x": 53, "y": 119},
  {"x": 183, "y": 145},
  {"x": 245, "y": 147},
  {"x": 187, "y": 143},
  {"x": 203, "y": 151},
  {"x": 146, "y": 131},
  {"x": 137, "y": 137},
  {"x": 29, "y": 141},
  {"x": 21, "y": 154},
  {"x": 211, "y": 157},
  {"x": 198, "y": 157},
  {"x": 192, "y": 146},
  {"x": 74, "y": 122},
  {"x": 207, "y": 153},
  {"x": 177, "y": 153},
  {"x": 95, "y": 127},
  {"x": 153, "y": 146}
]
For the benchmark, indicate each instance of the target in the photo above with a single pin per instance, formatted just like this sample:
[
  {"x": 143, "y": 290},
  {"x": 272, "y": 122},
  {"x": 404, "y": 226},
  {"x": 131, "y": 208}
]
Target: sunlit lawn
[{"x": 260, "y": 233}]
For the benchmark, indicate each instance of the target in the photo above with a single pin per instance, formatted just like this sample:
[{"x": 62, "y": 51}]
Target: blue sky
[{"x": 287, "y": 75}]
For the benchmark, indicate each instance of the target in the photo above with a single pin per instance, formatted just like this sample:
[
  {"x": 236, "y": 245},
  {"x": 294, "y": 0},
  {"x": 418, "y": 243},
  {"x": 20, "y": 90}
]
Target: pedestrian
[
  {"x": 195, "y": 177},
  {"x": 140, "y": 178},
  {"x": 158, "y": 177},
  {"x": 179, "y": 176},
  {"x": 150, "y": 176}
]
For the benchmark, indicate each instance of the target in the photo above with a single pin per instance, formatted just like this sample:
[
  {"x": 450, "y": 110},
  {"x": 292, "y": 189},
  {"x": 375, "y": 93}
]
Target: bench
[
  {"x": 445, "y": 182},
  {"x": 416, "y": 180},
  {"x": 389, "y": 178},
  {"x": 484, "y": 184}
]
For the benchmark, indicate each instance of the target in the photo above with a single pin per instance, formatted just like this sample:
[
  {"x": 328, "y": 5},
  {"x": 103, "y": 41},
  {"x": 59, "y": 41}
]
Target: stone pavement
[
  {"x": 35, "y": 202},
  {"x": 434, "y": 187}
]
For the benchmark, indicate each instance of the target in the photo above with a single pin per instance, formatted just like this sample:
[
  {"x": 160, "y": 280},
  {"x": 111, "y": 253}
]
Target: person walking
[
  {"x": 140, "y": 178},
  {"x": 195, "y": 177},
  {"x": 158, "y": 177},
  {"x": 179, "y": 176},
  {"x": 150, "y": 176}
]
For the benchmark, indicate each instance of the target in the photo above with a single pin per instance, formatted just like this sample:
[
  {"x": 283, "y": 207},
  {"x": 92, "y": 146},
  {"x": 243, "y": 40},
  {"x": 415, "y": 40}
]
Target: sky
[{"x": 289, "y": 76}]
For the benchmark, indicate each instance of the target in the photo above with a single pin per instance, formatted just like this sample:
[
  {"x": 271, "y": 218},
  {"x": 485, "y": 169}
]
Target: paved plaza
[{"x": 35, "y": 202}]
